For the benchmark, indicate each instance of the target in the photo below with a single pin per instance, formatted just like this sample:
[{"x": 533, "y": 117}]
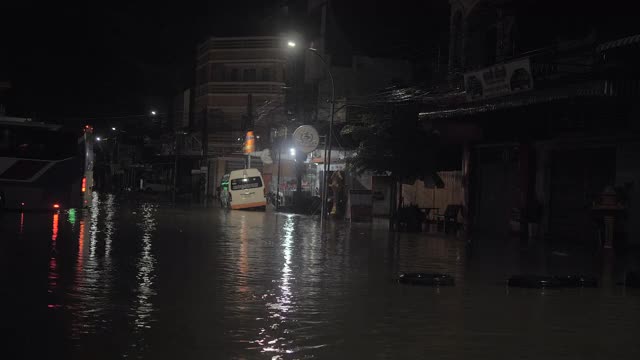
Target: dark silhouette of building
[{"x": 544, "y": 107}]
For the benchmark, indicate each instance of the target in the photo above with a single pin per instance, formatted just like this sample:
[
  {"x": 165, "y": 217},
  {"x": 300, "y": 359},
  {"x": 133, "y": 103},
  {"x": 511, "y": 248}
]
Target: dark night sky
[
  {"x": 84, "y": 59},
  {"x": 102, "y": 58},
  {"x": 87, "y": 59}
]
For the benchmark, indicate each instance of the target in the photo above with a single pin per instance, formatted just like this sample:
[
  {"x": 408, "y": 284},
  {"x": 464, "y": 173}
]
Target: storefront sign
[{"x": 499, "y": 80}]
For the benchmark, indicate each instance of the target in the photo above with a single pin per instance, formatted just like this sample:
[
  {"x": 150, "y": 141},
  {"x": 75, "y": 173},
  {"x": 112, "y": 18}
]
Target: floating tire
[
  {"x": 426, "y": 279},
  {"x": 538, "y": 281}
]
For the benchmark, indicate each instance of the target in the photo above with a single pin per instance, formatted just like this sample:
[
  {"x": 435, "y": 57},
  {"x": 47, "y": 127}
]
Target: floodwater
[{"x": 140, "y": 280}]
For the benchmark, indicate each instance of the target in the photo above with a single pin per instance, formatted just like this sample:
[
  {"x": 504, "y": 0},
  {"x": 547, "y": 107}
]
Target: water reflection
[
  {"x": 53, "y": 264},
  {"x": 90, "y": 286},
  {"x": 243, "y": 259},
  {"x": 166, "y": 283},
  {"x": 54, "y": 229},
  {"x": 272, "y": 338},
  {"x": 71, "y": 217},
  {"x": 109, "y": 226},
  {"x": 146, "y": 263},
  {"x": 93, "y": 230},
  {"x": 21, "y": 228},
  {"x": 80, "y": 256}
]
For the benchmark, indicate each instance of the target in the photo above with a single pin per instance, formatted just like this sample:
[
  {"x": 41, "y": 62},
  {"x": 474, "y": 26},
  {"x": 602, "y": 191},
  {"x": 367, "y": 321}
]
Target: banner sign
[{"x": 499, "y": 80}]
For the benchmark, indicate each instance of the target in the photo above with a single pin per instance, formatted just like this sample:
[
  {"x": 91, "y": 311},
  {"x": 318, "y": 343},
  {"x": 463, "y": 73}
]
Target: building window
[
  {"x": 217, "y": 72},
  {"x": 249, "y": 75},
  {"x": 202, "y": 75},
  {"x": 234, "y": 75},
  {"x": 266, "y": 74}
]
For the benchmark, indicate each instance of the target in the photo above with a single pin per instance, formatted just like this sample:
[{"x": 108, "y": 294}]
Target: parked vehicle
[
  {"x": 245, "y": 190},
  {"x": 44, "y": 166}
]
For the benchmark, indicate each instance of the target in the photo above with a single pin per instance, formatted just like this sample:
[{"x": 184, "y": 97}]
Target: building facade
[
  {"x": 546, "y": 126},
  {"x": 234, "y": 77}
]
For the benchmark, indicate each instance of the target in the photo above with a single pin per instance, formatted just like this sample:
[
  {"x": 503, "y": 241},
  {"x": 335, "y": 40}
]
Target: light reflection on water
[
  {"x": 139, "y": 280},
  {"x": 271, "y": 340},
  {"x": 53, "y": 262},
  {"x": 146, "y": 264}
]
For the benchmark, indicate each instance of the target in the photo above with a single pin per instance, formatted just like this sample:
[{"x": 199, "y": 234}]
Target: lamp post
[{"x": 327, "y": 144}]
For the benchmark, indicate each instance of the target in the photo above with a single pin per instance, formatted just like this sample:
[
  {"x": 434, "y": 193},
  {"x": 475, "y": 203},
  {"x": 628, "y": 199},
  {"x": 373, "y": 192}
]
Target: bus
[
  {"x": 44, "y": 166},
  {"x": 243, "y": 189}
]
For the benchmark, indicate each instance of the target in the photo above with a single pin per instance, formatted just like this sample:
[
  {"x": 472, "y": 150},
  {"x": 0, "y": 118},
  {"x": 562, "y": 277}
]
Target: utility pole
[
  {"x": 205, "y": 145},
  {"x": 278, "y": 177},
  {"x": 175, "y": 168},
  {"x": 249, "y": 127}
]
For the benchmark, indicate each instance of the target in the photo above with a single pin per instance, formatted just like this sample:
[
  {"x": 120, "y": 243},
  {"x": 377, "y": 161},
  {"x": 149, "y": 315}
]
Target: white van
[{"x": 246, "y": 189}]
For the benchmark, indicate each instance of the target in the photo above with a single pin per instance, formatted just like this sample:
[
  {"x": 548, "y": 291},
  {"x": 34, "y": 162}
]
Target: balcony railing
[
  {"x": 241, "y": 88},
  {"x": 247, "y": 56},
  {"x": 241, "y": 43}
]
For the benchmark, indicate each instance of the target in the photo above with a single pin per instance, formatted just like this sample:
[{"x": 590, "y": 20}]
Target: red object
[
  {"x": 84, "y": 184},
  {"x": 56, "y": 206}
]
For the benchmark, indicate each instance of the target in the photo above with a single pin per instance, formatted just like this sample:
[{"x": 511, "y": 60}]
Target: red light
[
  {"x": 84, "y": 184},
  {"x": 56, "y": 206}
]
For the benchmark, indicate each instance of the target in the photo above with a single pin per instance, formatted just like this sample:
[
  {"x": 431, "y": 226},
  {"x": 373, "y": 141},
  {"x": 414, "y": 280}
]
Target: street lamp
[
  {"x": 327, "y": 144},
  {"x": 113, "y": 128},
  {"x": 98, "y": 138},
  {"x": 153, "y": 112}
]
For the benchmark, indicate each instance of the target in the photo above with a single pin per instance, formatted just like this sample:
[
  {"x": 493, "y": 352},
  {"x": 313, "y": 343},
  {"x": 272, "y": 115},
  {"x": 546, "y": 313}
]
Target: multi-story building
[
  {"x": 234, "y": 77},
  {"x": 541, "y": 118}
]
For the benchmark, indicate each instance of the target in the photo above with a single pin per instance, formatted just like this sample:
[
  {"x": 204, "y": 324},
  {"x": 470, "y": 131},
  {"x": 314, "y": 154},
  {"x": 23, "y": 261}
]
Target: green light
[{"x": 72, "y": 216}]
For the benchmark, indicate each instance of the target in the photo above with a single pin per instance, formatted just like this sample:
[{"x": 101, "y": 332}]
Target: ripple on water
[{"x": 141, "y": 280}]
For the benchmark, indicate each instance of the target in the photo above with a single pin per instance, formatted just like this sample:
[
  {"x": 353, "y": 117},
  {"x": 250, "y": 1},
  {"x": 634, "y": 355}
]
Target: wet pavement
[{"x": 140, "y": 280}]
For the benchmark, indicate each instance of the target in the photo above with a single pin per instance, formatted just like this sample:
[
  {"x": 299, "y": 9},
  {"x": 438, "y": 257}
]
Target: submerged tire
[
  {"x": 426, "y": 279},
  {"x": 539, "y": 281}
]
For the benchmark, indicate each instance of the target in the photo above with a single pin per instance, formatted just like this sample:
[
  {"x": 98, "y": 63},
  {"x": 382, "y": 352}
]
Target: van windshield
[{"x": 246, "y": 183}]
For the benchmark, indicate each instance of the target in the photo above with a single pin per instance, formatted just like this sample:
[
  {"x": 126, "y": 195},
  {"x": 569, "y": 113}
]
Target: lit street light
[
  {"x": 98, "y": 138},
  {"x": 114, "y": 129},
  {"x": 153, "y": 112},
  {"x": 292, "y": 151},
  {"x": 327, "y": 144}
]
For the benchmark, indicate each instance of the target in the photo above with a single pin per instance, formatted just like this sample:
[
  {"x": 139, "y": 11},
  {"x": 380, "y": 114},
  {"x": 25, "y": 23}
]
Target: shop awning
[{"x": 590, "y": 89}]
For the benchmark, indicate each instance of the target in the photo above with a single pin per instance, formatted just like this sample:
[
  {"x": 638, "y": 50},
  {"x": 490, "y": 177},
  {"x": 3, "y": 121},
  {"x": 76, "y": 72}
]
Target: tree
[{"x": 393, "y": 142}]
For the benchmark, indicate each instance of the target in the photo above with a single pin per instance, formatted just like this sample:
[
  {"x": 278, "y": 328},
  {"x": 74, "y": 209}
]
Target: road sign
[{"x": 306, "y": 138}]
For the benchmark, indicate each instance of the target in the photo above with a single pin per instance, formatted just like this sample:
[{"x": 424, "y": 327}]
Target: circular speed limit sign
[{"x": 306, "y": 138}]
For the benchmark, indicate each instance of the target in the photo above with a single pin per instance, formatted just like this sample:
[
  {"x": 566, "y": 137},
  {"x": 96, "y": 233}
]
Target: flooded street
[{"x": 138, "y": 280}]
